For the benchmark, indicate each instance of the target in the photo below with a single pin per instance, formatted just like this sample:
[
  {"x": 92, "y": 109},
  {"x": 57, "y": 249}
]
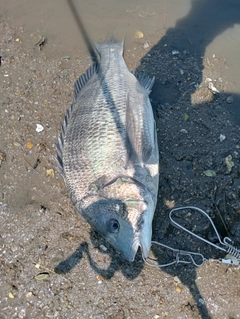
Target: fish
[{"x": 107, "y": 152}]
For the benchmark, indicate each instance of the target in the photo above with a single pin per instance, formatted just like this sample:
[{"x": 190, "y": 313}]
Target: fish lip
[{"x": 130, "y": 254}]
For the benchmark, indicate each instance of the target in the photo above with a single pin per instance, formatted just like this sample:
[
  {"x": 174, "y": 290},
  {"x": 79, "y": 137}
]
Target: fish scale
[{"x": 108, "y": 153}]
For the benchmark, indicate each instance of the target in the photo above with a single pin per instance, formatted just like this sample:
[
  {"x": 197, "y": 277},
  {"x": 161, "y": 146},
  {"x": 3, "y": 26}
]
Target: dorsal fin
[
  {"x": 60, "y": 142},
  {"x": 84, "y": 78},
  {"x": 145, "y": 80},
  {"x": 79, "y": 84}
]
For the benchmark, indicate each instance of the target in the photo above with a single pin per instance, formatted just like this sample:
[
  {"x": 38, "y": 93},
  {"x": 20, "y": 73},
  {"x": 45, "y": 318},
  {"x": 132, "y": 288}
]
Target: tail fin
[{"x": 103, "y": 47}]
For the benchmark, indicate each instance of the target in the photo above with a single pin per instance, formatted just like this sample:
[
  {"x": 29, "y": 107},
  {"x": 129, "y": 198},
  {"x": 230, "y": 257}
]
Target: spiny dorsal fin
[
  {"x": 84, "y": 78},
  {"x": 60, "y": 142},
  {"x": 145, "y": 80}
]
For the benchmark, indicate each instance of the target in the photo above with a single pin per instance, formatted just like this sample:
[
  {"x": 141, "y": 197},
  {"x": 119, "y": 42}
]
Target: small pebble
[
  {"x": 16, "y": 144},
  {"x": 39, "y": 128},
  {"x": 2, "y": 157},
  {"x": 183, "y": 131},
  {"x": 212, "y": 88},
  {"x": 139, "y": 35},
  {"x": 146, "y": 45},
  {"x": 28, "y": 294},
  {"x": 50, "y": 173},
  {"x": 169, "y": 203},
  {"x": 201, "y": 301},
  {"x": 229, "y": 100},
  {"x": 222, "y": 137},
  {"x": 29, "y": 145},
  {"x": 175, "y": 52},
  {"x": 178, "y": 289},
  {"x": 104, "y": 248},
  {"x": 208, "y": 80},
  {"x": 177, "y": 280}
]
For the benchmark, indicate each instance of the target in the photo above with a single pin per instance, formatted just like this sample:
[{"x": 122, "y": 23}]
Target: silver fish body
[{"x": 108, "y": 154}]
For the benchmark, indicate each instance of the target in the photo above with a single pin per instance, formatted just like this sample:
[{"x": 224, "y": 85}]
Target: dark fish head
[{"x": 118, "y": 223}]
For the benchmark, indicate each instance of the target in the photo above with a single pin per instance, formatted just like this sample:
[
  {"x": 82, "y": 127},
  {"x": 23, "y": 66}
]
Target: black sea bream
[{"x": 108, "y": 154}]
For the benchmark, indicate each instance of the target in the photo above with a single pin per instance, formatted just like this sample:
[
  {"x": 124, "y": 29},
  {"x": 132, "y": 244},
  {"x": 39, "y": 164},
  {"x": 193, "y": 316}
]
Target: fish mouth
[{"x": 126, "y": 250}]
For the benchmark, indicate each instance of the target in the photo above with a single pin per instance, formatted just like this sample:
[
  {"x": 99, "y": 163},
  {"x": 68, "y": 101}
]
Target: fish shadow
[{"x": 117, "y": 263}]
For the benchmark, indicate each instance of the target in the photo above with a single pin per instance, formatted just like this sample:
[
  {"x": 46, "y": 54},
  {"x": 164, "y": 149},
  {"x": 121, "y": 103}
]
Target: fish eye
[{"x": 113, "y": 226}]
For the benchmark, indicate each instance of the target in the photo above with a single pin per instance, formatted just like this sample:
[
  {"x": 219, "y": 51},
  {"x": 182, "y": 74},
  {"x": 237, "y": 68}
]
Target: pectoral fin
[{"x": 140, "y": 135}]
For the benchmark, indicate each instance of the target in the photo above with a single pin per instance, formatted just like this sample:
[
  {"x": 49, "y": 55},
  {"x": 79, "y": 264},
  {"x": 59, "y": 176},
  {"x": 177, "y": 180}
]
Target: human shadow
[
  {"x": 181, "y": 168},
  {"x": 181, "y": 174},
  {"x": 192, "y": 35}
]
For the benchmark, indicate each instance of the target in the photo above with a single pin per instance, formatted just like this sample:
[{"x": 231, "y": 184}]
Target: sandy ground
[{"x": 52, "y": 264}]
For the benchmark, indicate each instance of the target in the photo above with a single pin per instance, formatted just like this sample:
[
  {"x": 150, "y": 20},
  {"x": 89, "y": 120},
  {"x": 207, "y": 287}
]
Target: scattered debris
[
  {"x": 146, "y": 45},
  {"x": 176, "y": 280},
  {"x": 35, "y": 165},
  {"x": 229, "y": 99},
  {"x": 2, "y": 157},
  {"x": 222, "y": 137},
  {"x": 178, "y": 289},
  {"x": 139, "y": 35},
  {"x": 39, "y": 128},
  {"x": 141, "y": 14},
  {"x": 209, "y": 173},
  {"x": 103, "y": 248},
  {"x": 17, "y": 144},
  {"x": 185, "y": 116},
  {"x": 29, "y": 145},
  {"x": 99, "y": 279},
  {"x": 169, "y": 203},
  {"x": 42, "y": 276},
  {"x": 41, "y": 147},
  {"x": 183, "y": 131},
  {"x": 41, "y": 42},
  {"x": 175, "y": 52},
  {"x": 50, "y": 173},
  {"x": 42, "y": 209},
  {"x": 2, "y": 206},
  {"x": 211, "y": 87},
  {"x": 229, "y": 163},
  {"x": 10, "y": 295}
]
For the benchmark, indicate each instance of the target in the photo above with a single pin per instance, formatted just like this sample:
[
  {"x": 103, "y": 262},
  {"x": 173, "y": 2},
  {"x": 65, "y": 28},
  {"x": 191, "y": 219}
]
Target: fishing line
[{"x": 197, "y": 259}]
